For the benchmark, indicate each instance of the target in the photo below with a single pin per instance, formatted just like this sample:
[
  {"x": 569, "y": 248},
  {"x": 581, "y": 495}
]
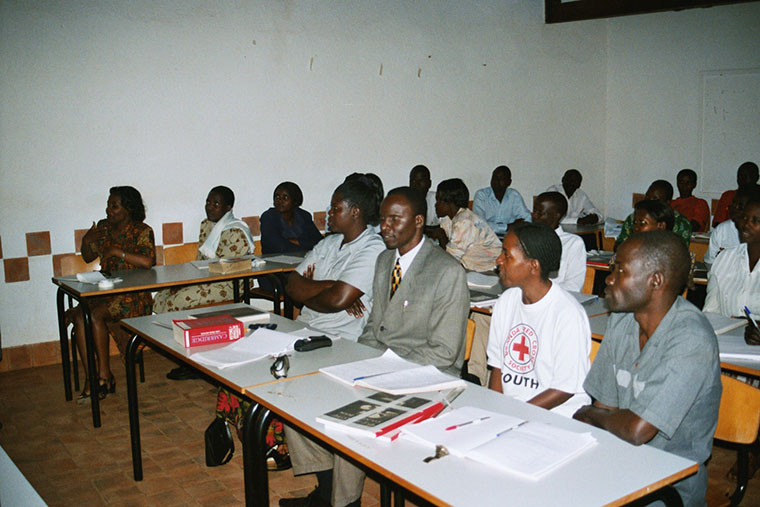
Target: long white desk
[
  {"x": 236, "y": 378},
  {"x": 621, "y": 472},
  {"x": 137, "y": 280},
  {"x": 15, "y": 489}
]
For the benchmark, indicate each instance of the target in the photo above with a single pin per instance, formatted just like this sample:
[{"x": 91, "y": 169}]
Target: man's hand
[
  {"x": 751, "y": 335},
  {"x": 356, "y": 309},
  {"x": 588, "y": 219}
]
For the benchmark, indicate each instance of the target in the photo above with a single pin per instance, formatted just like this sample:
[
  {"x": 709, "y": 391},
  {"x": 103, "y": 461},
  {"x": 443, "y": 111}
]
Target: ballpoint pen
[
  {"x": 474, "y": 421},
  {"x": 750, "y": 319}
]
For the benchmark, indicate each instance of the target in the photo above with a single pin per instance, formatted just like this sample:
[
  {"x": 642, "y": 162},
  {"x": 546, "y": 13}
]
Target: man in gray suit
[
  {"x": 420, "y": 307},
  {"x": 425, "y": 319}
]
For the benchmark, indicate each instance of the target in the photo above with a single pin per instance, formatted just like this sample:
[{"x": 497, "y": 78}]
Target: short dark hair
[
  {"x": 131, "y": 200},
  {"x": 416, "y": 201},
  {"x": 226, "y": 193},
  {"x": 419, "y": 168},
  {"x": 540, "y": 242},
  {"x": 454, "y": 191},
  {"x": 664, "y": 251},
  {"x": 358, "y": 193},
  {"x": 559, "y": 200},
  {"x": 377, "y": 185},
  {"x": 751, "y": 167},
  {"x": 293, "y": 190},
  {"x": 688, "y": 172},
  {"x": 664, "y": 186},
  {"x": 503, "y": 168},
  {"x": 658, "y": 210},
  {"x": 574, "y": 173}
]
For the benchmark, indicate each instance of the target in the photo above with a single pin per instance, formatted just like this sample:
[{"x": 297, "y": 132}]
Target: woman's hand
[
  {"x": 752, "y": 335},
  {"x": 113, "y": 251}
]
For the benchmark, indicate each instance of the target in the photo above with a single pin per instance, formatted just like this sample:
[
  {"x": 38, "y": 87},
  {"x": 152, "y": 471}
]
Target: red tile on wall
[
  {"x": 16, "y": 270},
  {"x": 78, "y": 235},
  {"x": 253, "y": 224},
  {"x": 319, "y": 220},
  {"x": 38, "y": 243},
  {"x": 171, "y": 233}
]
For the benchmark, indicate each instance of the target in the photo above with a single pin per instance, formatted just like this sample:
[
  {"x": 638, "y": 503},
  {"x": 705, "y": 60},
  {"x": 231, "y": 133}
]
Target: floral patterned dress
[
  {"x": 137, "y": 238},
  {"x": 231, "y": 244}
]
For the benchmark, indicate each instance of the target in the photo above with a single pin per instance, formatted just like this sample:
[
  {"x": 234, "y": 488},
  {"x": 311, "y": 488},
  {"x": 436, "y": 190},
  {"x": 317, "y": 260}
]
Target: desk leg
[
  {"x": 236, "y": 290},
  {"x": 63, "y": 335},
  {"x": 134, "y": 415},
  {"x": 398, "y": 497},
  {"x": 278, "y": 290},
  {"x": 91, "y": 368},
  {"x": 385, "y": 494},
  {"x": 247, "y": 290},
  {"x": 254, "y": 455}
]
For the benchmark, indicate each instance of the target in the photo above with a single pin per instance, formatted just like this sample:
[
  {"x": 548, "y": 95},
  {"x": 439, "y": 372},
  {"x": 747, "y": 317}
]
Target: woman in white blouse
[{"x": 734, "y": 280}]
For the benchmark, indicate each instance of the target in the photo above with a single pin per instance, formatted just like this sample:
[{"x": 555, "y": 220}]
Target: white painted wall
[
  {"x": 654, "y": 94},
  {"x": 174, "y": 97}
]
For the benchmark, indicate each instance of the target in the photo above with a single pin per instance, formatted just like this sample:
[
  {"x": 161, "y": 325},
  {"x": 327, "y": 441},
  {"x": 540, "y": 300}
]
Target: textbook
[
  {"x": 230, "y": 265},
  {"x": 207, "y": 330},
  {"x": 528, "y": 449},
  {"x": 392, "y": 374},
  {"x": 244, "y": 314},
  {"x": 380, "y": 414}
]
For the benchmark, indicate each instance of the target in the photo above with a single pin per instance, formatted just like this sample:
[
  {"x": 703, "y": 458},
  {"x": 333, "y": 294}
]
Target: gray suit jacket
[{"x": 426, "y": 319}]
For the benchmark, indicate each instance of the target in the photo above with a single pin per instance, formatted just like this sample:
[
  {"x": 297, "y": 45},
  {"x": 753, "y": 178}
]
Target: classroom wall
[
  {"x": 174, "y": 97},
  {"x": 656, "y": 64}
]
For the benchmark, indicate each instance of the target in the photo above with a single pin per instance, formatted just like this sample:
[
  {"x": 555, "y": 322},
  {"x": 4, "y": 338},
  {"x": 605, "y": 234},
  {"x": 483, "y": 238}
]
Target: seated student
[
  {"x": 656, "y": 377},
  {"x": 726, "y": 235},
  {"x": 221, "y": 235},
  {"x": 580, "y": 209},
  {"x": 498, "y": 204},
  {"x": 338, "y": 271},
  {"x": 420, "y": 310},
  {"x": 376, "y": 184},
  {"x": 734, "y": 279},
  {"x": 549, "y": 208},
  {"x": 690, "y": 206},
  {"x": 419, "y": 179},
  {"x": 659, "y": 190},
  {"x": 286, "y": 227},
  {"x": 540, "y": 338},
  {"x": 463, "y": 234},
  {"x": 746, "y": 177}
]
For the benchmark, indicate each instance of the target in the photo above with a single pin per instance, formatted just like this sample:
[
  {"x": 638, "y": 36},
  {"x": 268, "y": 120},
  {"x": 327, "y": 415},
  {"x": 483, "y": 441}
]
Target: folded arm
[
  {"x": 622, "y": 423},
  {"x": 326, "y": 296}
]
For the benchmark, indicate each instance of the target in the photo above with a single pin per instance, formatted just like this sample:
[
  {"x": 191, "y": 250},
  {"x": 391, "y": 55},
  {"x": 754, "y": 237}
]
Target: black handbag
[{"x": 219, "y": 443}]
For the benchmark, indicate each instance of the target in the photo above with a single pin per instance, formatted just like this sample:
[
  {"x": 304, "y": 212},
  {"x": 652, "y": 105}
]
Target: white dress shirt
[
  {"x": 724, "y": 236},
  {"x": 572, "y": 264},
  {"x": 730, "y": 284},
  {"x": 578, "y": 206}
]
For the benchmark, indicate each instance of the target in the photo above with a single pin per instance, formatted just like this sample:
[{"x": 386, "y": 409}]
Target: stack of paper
[
  {"x": 260, "y": 344},
  {"x": 482, "y": 300},
  {"x": 391, "y": 374},
  {"x": 722, "y": 324},
  {"x": 475, "y": 279},
  {"x": 524, "y": 448},
  {"x": 285, "y": 259}
]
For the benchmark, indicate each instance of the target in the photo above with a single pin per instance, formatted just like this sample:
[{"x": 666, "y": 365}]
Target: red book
[{"x": 207, "y": 331}]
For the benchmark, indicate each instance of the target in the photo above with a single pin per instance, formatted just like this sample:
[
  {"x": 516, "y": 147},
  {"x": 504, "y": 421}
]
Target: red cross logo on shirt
[{"x": 521, "y": 349}]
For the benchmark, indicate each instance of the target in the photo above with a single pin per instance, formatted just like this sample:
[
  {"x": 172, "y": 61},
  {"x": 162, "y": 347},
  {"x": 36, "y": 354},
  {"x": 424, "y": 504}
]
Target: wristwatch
[{"x": 123, "y": 255}]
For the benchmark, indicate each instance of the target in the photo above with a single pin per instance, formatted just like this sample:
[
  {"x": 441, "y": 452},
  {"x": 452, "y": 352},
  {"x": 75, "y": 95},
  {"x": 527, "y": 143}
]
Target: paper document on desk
[
  {"x": 260, "y": 344},
  {"x": 475, "y": 279},
  {"x": 349, "y": 373},
  {"x": 482, "y": 300},
  {"x": 733, "y": 346},
  {"x": 722, "y": 324},
  {"x": 90, "y": 277},
  {"x": 285, "y": 259}
]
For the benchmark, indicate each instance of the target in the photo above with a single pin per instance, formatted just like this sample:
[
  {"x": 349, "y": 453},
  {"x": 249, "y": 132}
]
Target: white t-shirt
[
  {"x": 541, "y": 346},
  {"x": 572, "y": 264}
]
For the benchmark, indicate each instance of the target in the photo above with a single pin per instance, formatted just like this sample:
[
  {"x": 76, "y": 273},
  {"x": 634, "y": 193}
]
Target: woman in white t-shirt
[{"x": 540, "y": 338}]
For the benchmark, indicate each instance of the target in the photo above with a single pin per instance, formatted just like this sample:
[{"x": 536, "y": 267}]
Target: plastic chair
[
  {"x": 738, "y": 423},
  {"x": 595, "y": 344},
  {"x": 469, "y": 338}
]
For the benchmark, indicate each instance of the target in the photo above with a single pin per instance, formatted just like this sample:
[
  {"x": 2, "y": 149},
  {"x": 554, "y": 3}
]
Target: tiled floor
[{"x": 69, "y": 463}]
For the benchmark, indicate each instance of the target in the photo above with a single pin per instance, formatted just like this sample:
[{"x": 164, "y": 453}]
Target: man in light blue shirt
[{"x": 498, "y": 204}]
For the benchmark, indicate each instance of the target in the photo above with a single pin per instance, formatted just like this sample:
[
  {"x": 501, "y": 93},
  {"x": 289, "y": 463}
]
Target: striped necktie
[{"x": 395, "y": 278}]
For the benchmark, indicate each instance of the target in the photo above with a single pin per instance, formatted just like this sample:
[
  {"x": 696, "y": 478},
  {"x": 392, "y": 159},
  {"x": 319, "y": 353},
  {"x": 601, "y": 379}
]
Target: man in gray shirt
[{"x": 656, "y": 377}]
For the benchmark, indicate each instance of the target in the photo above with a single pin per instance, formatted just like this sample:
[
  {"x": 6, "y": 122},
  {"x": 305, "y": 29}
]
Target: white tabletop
[
  {"x": 613, "y": 470},
  {"x": 163, "y": 276},
  {"x": 254, "y": 373}
]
